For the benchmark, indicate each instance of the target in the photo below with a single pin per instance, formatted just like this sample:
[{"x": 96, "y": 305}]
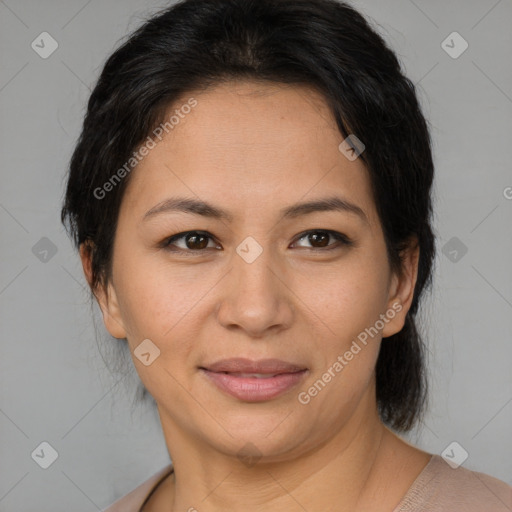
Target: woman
[{"x": 251, "y": 198}]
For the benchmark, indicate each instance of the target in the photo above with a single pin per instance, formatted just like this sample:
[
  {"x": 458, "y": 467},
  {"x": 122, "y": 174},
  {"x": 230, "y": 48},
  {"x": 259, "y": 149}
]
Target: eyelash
[{"x": 339, "y": 237}]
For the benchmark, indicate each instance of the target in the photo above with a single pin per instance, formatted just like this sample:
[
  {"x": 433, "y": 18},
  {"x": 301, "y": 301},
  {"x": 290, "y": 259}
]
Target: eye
[
  {"x": 198, "y": 241},
  {"x": 192, "y": 241},
  {"x": 319, "y": 239}
]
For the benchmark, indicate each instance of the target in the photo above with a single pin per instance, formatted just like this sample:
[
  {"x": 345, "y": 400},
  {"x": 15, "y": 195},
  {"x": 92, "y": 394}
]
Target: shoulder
[
  {"x": 134, "y": 500},
  {"x": 442, "y": 488}
]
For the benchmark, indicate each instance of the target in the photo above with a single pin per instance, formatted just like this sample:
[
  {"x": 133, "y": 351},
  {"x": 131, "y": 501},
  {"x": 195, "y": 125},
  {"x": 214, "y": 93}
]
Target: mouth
[
  {"x": 251, "y": 375},
  {"x": 254, "y": 381}
]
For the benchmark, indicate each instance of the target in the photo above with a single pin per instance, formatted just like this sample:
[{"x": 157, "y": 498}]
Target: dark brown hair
[{"x": 325, "y": 44}]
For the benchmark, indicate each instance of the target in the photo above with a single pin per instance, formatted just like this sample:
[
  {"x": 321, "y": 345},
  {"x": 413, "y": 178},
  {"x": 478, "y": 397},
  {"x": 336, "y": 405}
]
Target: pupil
[
  {"x": 192, "y": 241},
  {"x": 314, "y": 238},
  {"x": 197, "y": 241}
]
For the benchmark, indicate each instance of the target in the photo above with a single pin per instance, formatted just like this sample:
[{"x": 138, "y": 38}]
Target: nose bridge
[
  {"x": 256, "y": 299},
  {"x": 254, "y": 269},
  {"x": 254, "y": 263}
]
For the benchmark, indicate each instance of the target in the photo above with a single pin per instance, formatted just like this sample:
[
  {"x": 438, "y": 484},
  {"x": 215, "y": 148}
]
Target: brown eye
[
  {"x": 196, "y": 241},
  {"x": 319, "y": 239},
  {"x": 190, "y": 241}
]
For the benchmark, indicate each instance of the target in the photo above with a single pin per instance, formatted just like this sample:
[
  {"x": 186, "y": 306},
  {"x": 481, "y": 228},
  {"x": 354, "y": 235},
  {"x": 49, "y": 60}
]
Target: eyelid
[
  {"x": 168, "y": 241},
  {"x": 341, "y": 238}
]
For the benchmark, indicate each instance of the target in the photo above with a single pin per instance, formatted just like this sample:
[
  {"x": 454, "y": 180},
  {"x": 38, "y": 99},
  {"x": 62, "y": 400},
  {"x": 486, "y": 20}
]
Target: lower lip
[{"x": 252, "y": 389}]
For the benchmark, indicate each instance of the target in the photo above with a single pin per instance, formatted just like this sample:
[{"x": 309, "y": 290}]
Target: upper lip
[{"x": 263, "y": 366}]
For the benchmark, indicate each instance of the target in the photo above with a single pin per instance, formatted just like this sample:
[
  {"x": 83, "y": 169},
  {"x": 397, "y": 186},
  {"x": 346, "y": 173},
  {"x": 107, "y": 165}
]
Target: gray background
[{"x": 54, "y": 385}]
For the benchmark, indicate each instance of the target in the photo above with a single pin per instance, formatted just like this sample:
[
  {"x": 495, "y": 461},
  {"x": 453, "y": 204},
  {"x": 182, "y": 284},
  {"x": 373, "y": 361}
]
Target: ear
[
  {"x": 401, "y": 292},
  {"x": 104, "y": 294}
]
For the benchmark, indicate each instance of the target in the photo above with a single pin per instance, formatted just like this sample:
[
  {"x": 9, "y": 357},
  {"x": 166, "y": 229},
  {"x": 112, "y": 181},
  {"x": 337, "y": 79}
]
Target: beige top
[{"x": 438, "y": 488}]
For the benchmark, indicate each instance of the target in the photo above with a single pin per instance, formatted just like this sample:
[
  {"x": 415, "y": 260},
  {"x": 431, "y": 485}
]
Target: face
[{"x": 254, "y": 276}]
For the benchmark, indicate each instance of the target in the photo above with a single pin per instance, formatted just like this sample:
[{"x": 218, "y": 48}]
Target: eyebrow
[{"x": 198, "y": 207}]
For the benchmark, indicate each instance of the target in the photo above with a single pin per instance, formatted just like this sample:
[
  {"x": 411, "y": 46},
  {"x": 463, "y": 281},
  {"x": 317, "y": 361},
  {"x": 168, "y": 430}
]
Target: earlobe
[
  {"x": 86, "y": 249},
  {"x": 402, "y": 290},
  {"x": 104, "y": 294},
  {"x": 111, "y": 313}
]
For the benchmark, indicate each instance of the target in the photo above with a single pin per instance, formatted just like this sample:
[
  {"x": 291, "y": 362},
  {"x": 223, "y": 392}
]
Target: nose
[{"x": 256, "y": 298}]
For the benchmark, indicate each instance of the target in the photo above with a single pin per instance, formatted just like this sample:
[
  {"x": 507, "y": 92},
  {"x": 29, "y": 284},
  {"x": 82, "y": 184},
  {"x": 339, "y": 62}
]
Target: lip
[
  {"x": 243, "y": 365},
  {"x": 229, "y": 375}
]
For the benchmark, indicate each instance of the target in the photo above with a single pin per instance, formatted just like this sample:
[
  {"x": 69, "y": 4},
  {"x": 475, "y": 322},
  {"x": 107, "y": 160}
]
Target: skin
[{"x": 251, "y": 149}]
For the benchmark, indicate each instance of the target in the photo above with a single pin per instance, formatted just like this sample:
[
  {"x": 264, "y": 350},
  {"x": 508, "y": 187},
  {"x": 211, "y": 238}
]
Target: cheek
[
  {"x": 153, "y": 295},
  {"x": 164, "y": 303},
  {"x": 348, "y": 298},
  {"x": 159, "y": 310},
  {"x": 348, "y": 301}
]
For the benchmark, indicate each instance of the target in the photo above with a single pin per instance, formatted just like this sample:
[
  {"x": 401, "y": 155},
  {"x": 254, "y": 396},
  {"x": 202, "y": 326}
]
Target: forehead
[
  {"x": 255, "y": 114},
  {"x": 250, "y": 144}
]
